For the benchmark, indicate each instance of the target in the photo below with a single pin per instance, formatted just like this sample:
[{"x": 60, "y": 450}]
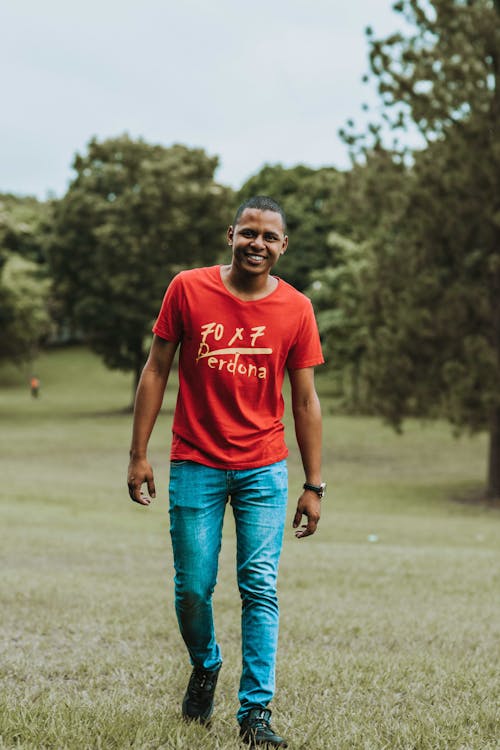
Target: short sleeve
[
  {"x": 168, "y": 324},
  {"x": 306, "y": 349}
]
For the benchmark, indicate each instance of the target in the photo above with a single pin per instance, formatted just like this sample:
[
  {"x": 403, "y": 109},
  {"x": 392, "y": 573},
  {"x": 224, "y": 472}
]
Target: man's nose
[{"x": 258, "y": 243}]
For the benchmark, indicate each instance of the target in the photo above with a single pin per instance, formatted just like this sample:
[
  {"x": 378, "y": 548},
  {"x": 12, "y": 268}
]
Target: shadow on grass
[
  {"x": 126, "y": 411},
  {"x": 477, "y": 498},
  {"x": 60, "y": 413}
]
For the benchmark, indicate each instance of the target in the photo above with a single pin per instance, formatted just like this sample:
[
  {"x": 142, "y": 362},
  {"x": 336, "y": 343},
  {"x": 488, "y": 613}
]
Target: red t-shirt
[{"x": 233, "y": 357}]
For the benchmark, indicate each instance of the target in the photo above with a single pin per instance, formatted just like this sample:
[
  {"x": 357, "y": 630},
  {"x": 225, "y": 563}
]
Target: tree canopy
[
  {"x": 23, "y": 221},
  {"x": 24, "y": 319},
  {"x": 134, "y": 215},
  {"x": 24, "y": 287},
  {"x": 343, "y": 326},
  {"x": 312, "y": 200},
  {"x": 435, "y": 302}
]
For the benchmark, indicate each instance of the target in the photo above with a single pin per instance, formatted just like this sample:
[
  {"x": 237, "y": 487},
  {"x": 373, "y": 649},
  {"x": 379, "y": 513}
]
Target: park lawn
[{"x": 390, "y": 614}]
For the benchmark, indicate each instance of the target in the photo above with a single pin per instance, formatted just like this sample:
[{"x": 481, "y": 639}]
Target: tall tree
[
  {"x": 134, "y": 215},
  {"x": 435, "y": 343},
  {"x": 312, "y": 200}
]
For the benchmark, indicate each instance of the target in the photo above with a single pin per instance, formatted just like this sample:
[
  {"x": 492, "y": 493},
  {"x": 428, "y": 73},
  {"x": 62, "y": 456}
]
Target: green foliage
[
  {"x": 443, "y": 72},
  {"x": 23, "y": 222},
  {"x": 434, "y": 318},
  {"x": 339, "y": 297},
  {"x": 435, "y": 301},
  {"x": 312, "y": 200},
  {"x": 24, "y": 319},
  {"x": 134, "y": 215},
  {"x": 375, "y": 191}
]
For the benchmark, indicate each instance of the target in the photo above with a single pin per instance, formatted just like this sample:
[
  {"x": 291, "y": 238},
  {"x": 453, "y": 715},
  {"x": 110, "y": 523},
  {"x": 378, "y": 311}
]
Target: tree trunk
[
  {"x": 493, "y": 491},
  {"x": 355, "y": 385}
]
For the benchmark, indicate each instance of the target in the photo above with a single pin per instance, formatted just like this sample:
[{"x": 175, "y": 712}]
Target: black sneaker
[
  {"x": 198, "y": 703},
  {"x": 256, "y": 729}
]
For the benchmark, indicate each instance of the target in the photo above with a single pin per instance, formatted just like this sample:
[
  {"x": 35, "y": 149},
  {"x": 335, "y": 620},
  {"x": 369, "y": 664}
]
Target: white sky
[{"x": 252, "y": 82}]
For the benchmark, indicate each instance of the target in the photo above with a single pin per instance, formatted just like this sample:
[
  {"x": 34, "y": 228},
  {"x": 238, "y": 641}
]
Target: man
[{"x": 239, "y": 329}]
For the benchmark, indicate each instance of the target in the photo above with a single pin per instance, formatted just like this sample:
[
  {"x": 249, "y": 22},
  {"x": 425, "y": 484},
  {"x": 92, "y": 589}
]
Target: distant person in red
[
  {"x": 240, "y": 330},
  {"x": 34, "y": 386}
]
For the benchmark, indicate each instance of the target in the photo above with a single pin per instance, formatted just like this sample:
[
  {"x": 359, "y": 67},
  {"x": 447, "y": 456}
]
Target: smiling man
[{"x": 240, "y": 328}]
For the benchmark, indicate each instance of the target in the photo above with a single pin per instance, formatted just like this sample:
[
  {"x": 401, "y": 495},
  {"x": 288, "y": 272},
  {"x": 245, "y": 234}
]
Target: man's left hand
[{"x": 309, "y": 505}]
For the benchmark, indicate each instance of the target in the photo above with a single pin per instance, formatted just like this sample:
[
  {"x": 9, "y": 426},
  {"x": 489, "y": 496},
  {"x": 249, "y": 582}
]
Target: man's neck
[{"x": 245, "y": 286}]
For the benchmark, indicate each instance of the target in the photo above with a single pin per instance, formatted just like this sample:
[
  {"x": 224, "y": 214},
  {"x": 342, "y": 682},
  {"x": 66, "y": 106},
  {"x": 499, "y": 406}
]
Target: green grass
[{"x": 385, "y": 645}]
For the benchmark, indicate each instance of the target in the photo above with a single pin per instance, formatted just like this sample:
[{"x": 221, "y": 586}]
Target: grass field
[{"x": 388, "y": 644}]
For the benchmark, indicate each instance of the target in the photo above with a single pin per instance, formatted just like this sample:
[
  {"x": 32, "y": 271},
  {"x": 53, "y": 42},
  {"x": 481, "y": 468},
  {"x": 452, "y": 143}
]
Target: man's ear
[
  {"x": 230, "y": 234},
  {"x": 285, "y": 245}
]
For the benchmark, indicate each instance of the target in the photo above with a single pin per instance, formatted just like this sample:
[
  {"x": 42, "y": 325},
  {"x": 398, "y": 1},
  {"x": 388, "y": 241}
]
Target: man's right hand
[{"x": 140, "y": 471}]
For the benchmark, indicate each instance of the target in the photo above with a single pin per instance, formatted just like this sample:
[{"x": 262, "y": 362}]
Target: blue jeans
[{"x": 198, "y": 497}]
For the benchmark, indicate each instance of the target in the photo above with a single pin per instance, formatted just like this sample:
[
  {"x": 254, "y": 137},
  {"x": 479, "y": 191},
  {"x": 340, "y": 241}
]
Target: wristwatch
[{"x": 319, "y": 489}]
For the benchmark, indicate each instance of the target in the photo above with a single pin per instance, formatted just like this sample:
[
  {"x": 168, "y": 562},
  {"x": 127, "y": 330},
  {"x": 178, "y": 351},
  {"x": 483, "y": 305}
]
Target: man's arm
[
  {"x": 148, "y": 401},
  {"x": 308, "y": 430}
]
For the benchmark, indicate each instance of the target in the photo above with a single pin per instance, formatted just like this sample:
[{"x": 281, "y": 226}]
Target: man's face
[{"x": 257, "y": 241}]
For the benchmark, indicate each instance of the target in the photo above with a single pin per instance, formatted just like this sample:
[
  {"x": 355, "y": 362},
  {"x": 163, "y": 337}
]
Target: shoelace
[
  {"x": 202, "y": 682},
  {"x": 261, "y": 721}
]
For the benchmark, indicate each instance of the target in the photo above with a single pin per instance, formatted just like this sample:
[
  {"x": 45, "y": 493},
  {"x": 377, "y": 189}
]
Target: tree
[
  {"x": 24, "y": 287},
  {"x": 133, "y": 216},
  {"x": 23, "y": 222},
  {"x": 435, "y": 310},
  {"x": 24, "y": 319},
  {"x": 339, "y": 297},
  {"x": 312, "y": 200}
]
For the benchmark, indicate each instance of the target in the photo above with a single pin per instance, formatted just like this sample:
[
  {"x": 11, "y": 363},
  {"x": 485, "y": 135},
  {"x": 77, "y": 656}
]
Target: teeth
[{"x": 256, "y": 257}]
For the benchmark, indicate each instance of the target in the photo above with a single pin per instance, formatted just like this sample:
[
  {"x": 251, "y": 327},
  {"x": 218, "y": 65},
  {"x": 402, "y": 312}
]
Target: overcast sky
[{"x": 251, "y": 82}]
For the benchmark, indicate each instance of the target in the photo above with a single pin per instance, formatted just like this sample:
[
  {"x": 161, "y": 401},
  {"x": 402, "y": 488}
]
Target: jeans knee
[
  {"x": 192, "y": 598},
  {"x": 257, "y": 586},
  {"x": 190, "y": 603}
]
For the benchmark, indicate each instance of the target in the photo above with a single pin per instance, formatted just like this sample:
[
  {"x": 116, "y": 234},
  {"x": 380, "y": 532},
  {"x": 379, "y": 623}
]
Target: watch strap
[{"x": 319, "y": 489}]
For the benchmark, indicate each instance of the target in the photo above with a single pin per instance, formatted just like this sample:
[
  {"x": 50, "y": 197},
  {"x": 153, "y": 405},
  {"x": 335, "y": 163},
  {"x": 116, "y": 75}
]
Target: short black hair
[{"x": 262, "y": 203}]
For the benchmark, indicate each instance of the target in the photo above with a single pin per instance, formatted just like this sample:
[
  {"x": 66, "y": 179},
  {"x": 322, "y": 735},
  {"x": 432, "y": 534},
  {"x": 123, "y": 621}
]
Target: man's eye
[
  {"x": 247, "y": 233},
  {"x": 270, "y": 238}
]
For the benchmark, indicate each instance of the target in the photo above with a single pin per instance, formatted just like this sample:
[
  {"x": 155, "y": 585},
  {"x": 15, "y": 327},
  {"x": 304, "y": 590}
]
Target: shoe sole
[
  {"x": 253, "y": 744},
  {"x": 201, "y": 718}
]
